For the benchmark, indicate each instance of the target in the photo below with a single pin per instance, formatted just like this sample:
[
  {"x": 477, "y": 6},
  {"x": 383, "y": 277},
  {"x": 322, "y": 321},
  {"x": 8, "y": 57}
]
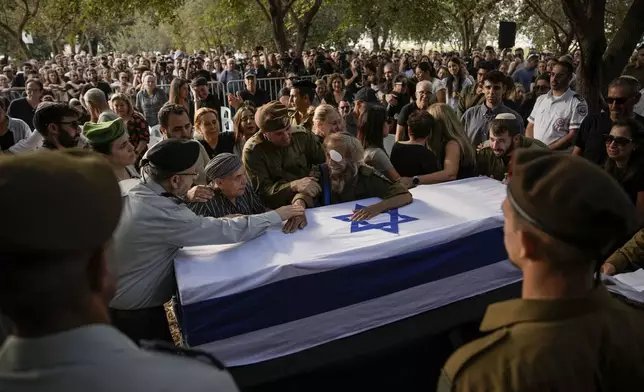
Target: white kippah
[{"x": 505, "y": 116}]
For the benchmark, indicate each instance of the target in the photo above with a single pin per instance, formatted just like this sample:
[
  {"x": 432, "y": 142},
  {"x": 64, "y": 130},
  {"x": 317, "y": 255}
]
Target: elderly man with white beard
[{"x": 344, "y": 177}]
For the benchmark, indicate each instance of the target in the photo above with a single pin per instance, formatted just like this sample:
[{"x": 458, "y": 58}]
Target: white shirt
[
  {"x": 639, "y": 107},
  {"x": 554, "y": 117}
]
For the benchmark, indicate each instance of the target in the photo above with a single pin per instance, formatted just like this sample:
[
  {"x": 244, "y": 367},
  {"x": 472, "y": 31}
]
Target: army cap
[
  {"x": 570, "y": 199},
  {"x": 172, "y": 155},
  {"x": 82, "y": 193},
  {"x": 272, "y": 117},
  {"x": 104, "y": 132}
]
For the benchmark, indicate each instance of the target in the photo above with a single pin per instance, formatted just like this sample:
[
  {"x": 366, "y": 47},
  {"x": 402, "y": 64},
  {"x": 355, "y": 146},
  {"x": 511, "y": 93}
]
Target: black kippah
[{"x": 173, "y": 155}]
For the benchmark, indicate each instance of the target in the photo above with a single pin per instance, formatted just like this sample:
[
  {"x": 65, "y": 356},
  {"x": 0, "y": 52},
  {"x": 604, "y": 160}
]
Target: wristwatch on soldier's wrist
[{"x": 415, "y": 180}]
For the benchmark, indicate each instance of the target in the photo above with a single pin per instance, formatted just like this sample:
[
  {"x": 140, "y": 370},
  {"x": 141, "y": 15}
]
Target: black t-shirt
[
  {"x": 258, "y": 99},
  {"x": 20, "y": 108},
  {"x": 226, "y": 143},
  {"x": 405, "y": 112},
  {"x": 590, "y": 137},
  {"x": 6, "y": 141},
  {"x": 411, "y": 160},
  {"x": 103, "y": 86},
  {"x": 631, "y": 179}
]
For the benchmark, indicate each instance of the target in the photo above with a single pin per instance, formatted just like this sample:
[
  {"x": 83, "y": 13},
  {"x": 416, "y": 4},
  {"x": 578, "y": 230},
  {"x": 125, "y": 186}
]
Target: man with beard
[
  {"x": 423, "y": 96},
  {"x": 155, "y": 224},
  {"x": 345, "y": 178},
  {"x": 562, "y": 216},
  {"x": 496, "y": 155},
  {"x": 94, "y": 82},
  {"x": 476, "y": 120},
  {"x": 278, "y": 158},
  {"x": 58, "y": 125}
]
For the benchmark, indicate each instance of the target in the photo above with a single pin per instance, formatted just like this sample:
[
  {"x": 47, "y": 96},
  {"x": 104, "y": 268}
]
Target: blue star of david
[{"x": 395, "y": 218}]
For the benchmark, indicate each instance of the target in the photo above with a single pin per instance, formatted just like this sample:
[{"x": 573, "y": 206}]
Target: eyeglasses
[
  {"x": 619, "y": 140},
  {"x": 618, "y": 101}
]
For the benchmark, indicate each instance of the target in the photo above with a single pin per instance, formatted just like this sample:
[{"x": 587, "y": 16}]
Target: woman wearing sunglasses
[{"x": 625, "y": 160}]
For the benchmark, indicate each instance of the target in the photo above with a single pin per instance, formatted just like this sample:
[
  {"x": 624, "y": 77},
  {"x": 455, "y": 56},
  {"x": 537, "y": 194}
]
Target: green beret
[
  {"x": 70, "y": 183},
  {"x": 172, "y": 155},
  {"x": 104, "y": 132},
  {"x": 272, "y": 117},
  {"x": 571, "y": 199}
]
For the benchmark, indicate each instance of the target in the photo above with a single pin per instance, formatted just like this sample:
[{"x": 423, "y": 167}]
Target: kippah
[
  {"x": 570, "y": 199},
  {"x": 505, "y": 116},
  {"x": 73, "y": 181},
  {"x": 172, "y": 155},
  {"x": 104, "y": 132},
  {"x": 222, "y": 165}
]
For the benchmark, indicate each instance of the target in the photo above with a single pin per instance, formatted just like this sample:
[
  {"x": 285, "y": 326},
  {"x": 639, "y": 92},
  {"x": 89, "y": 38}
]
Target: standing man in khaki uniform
[
  {"x": 566, "y": 333},
  {"x": 493, "y": 159},
  {"x": 55, "y": 284},
  {"x": 301, "y": 113},
  {"x": 279, "y": 157}
]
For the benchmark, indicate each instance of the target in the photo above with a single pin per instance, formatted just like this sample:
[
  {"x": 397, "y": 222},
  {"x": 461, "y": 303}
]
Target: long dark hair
[
  {"x": 459, "y": 80},
  {"x": 636, "y": 160},
  {"x": 370, "y": 126}
]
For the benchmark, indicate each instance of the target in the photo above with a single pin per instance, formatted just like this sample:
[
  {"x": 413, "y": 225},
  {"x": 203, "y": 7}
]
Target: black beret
[
  {"x": 173, "y": 155},
  {"x": 73, "y": 182},
  {"x": 366, "y": 94},
  {"x": 571, "y": 199}
]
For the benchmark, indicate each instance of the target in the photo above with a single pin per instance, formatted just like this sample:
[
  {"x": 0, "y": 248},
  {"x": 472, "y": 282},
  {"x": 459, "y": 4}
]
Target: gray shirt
[
  {"x": 99, "y": 358},
  {"x": 378, "y": 159},
  {"x": 476, "y": 121},
  {"x": 107, "y": 115},
  {"x": 151, "y": 231}
]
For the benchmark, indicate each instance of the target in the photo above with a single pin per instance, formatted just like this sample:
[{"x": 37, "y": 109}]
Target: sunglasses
[
  {"x": 619, "y": 140},
  {"x": 619, "y": 101}
]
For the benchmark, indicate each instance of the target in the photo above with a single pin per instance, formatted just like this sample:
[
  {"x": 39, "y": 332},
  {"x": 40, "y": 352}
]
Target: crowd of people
[{"x": 309, "y": 130}]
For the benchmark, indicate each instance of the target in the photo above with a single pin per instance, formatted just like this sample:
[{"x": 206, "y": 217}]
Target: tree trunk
[
  {"x": 304, "y": 26},
  {"x": 275, "y": 14},
  {"x": 477, "y": 33},
  {"x": 375, "y": 38},
  {"x": 625, "y": 40},
  {"x": 93, "y": 43}
]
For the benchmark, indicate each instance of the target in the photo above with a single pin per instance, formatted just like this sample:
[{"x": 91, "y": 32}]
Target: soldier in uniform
[
  {"x": 627, "y": 258},
  {"x": 493, "y": 158},
  {"x": 155, "y": 224},
  {"x": 55, "y": 285},
  {"x": 278, "y": 159},
  {"x": 345, "y": 178},
  {"x": 565, "y": 333},
  {"x": 301, "y": 112}
]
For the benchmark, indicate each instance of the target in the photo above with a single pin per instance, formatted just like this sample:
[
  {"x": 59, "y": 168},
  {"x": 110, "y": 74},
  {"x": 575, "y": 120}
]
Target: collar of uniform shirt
[{"x": 504, "y": 314}]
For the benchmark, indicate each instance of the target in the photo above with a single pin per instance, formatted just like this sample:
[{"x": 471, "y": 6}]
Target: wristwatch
[{"x": 415, "y": 180}]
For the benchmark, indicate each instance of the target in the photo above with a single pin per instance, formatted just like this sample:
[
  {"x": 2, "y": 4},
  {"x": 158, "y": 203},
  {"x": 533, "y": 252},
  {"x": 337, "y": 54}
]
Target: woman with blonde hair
[
  {"x": 454, "y": 153},
  {"x": 209, "y": 135},
  {"x": 327, "y": 120},
  {"x": 136, "y": 126},
  {"x": 244, "y": 126},
  {"x": 336, "y": 91}
]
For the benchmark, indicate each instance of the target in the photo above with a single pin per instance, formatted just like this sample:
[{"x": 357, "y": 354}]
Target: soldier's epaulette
[
  {"x": 170, "y": 348},
  {"x": 370, "y": 171},
  {"x": 466, "y": 354},
  {"x": 298, "y": 129},
  {"x": 253, "y": 142}
]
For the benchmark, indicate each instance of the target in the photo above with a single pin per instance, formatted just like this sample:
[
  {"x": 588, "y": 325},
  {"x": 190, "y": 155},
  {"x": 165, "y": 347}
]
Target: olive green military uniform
[
  {"x": 369, "y": 183},
  {"x": 490, "y": 165},
  {"x": 272, "y": 168},
  {"x": 631, "y": 255},
  {"x": 306, "y": 121},
  {"x": 588, "y": 344},
  {"x": 469, "y": 98}
]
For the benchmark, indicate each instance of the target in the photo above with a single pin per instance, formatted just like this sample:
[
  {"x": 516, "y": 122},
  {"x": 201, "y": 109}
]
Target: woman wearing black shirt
[
  {"x": 625, "y": 160},
  {"x": 207, "y": 127}
]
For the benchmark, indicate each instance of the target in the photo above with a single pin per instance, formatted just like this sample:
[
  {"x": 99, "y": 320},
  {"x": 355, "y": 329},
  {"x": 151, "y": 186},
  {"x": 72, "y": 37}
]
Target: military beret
[
  {"x": 272, "y": 117},
  {"x": 172, "y": 155},
  {"x": 570, "y": 199},
  {"x": 71, "y": 182},
  {"x": 104, "y": 132},
  {"x": 366, "y": 94}
]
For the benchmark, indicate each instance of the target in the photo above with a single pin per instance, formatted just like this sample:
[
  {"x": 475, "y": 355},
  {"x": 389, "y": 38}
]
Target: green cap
[{"x": 104, "y": 132}]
